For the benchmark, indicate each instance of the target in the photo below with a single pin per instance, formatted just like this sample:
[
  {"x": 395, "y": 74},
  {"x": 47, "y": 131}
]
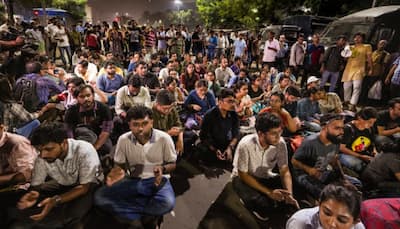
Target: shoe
[
  {"x": 136, "y": 224},
  {"x": 261, "y": 215}
]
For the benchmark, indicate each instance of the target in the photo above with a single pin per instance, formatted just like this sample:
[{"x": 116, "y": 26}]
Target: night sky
[{"x": 106, "y": 9}]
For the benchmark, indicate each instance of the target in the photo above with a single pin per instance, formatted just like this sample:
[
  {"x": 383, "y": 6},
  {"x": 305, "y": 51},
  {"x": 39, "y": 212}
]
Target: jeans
[
  {"x": 131, "y": 198},
  {"x": 352, "y": 95},
  {"x": 67, "y": 51},
  {"x": 28, "y": 128},
  {"x": 334, "y": 76},
  {"x": 314, "y": 186},
  {"x": 211, "y": 53},
  {"x": 351, "y": 162}
]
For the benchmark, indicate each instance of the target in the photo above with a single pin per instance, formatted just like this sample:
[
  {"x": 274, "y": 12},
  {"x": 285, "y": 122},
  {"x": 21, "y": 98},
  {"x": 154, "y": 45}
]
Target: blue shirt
[
  {"x": 307, "y": 109},
  {"x": 109, "y": 85},
  {"x": 45, "y": 87},
  {"x": 213, "y": 42},
  {"x": 131, "y": 66},
  {"x": 396, "y": 74},
  {"x": 206, "y": 103}
]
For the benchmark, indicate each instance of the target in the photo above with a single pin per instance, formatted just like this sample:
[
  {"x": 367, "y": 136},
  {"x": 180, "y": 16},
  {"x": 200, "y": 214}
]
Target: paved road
[{"x": 195, "y": 194}]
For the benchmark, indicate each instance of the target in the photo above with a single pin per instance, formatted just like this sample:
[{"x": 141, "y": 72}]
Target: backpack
[{"x": 25, "y": 93}]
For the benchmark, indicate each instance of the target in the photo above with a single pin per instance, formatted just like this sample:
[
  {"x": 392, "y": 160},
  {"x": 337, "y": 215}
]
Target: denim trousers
[
  {"x": 332, "y": 77},
  {"x": 131, "y": 198},
  {"x": 314, "y": 186},
  {"x": 28, "y": 128},
  {"x": 351, "y": 162}
]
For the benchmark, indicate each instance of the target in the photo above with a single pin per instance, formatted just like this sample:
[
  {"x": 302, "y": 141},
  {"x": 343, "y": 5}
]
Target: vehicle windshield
[{"x": 346, "y": 29}]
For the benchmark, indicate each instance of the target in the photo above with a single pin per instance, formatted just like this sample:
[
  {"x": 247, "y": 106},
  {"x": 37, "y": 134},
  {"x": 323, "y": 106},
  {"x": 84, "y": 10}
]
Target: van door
[{"x": 383, "y": 33}]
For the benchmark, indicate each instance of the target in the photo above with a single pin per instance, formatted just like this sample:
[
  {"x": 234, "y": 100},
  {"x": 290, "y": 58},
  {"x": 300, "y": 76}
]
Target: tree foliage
[{"x": 252, "y": 13}]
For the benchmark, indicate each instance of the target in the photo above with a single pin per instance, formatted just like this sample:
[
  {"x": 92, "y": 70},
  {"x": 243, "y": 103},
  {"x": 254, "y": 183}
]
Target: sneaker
[{"x": 260, "y": 215}]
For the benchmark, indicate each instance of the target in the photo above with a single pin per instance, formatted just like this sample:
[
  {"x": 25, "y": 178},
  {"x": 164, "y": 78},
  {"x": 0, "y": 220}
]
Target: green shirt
[{"x": 166, "y": 122}]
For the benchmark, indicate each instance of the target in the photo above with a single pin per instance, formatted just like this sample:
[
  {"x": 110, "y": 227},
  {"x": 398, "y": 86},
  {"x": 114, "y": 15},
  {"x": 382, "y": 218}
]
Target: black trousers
[
  {"x": 67, "y": 215},
  {"x": 255, "y": 200}
]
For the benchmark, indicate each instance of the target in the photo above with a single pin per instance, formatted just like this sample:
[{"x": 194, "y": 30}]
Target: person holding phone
[{"x": 262, "y": 190}]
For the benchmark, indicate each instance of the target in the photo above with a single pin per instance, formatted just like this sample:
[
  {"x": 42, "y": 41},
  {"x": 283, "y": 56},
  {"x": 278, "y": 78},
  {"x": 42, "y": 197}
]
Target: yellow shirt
[{"x": 357, "y": 62}]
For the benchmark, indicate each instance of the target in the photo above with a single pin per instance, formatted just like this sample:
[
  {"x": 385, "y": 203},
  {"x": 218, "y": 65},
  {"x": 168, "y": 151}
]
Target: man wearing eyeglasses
[
  {"x": 219, "y": 132},
  {"x": 262, "y": 190},
  {"x": 138, "y": 186}
]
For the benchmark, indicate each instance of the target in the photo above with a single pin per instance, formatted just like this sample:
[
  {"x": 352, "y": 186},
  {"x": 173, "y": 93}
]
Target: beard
[{"x": 335, "y": 139}]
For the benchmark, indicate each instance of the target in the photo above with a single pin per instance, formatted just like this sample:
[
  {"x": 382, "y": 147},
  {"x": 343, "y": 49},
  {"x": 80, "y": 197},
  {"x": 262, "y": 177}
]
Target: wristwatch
[{"x": 57, "y": 199}]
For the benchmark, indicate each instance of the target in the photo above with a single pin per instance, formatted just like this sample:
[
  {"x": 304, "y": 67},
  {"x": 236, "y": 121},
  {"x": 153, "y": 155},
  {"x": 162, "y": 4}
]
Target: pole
[
  {"x": 10, "y": 10},
  {"x": 44, "y": 17},
  {"x": 373, "y": 3}
]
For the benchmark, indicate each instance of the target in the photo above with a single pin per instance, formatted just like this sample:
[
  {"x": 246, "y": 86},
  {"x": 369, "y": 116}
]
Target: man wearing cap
[{"x": 312, "y": 81}]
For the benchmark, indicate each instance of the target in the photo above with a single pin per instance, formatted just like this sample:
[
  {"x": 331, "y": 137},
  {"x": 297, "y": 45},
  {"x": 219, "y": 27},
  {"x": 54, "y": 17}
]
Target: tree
[{"x": 250, "y": 13}]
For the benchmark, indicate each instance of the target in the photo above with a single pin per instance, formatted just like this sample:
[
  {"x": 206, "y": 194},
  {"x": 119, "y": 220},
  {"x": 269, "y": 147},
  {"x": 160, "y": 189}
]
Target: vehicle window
[{"x": 347, "y": 29}]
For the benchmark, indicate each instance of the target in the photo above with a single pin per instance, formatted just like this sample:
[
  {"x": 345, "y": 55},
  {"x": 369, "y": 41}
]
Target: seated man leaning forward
[
  {"x": 316, "y": 162},
  {"x": 136, "y": 186},
  {"x": 74, "y": 170},
  {"x": 262, "y": 190}
]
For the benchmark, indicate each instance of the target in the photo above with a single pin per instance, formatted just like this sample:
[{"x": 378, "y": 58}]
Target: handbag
[{"x": 375, "y": 92}]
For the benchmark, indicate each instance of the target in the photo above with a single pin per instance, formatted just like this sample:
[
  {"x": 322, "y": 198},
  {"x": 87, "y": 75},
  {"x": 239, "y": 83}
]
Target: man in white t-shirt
[
  {"x": 256, "y": 156},
  {"x": 271, "y": 48},
  {"x": 146, "y": 156},
  {"x": 74, "y": 169}
]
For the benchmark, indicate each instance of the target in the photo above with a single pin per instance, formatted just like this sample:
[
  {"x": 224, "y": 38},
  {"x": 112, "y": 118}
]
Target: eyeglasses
[
  {"x": 231, "y": 101},
  {"x": 139, "y": 124}
]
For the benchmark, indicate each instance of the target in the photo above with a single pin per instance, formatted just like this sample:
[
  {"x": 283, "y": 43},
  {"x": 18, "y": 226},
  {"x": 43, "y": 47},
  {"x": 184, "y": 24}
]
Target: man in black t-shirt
[
  {"x": 147, "y": 79},
  {"x": 315, "y": 161},
  {"x": 357, "y": 147},
  {"x": 90, "y": 120},
  {"x": 382, "y": 175},
  {"x": 388, "y": 121}
]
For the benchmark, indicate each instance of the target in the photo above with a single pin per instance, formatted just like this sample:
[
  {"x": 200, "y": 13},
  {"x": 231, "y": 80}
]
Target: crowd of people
[{"x": 105, "y": 127}]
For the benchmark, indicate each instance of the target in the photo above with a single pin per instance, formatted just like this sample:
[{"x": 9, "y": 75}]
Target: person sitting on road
[
  {"x": 381, "y": 177},
  {"x": 138, "y": 185},
  {"x": 219, "y": 132},
  {"x": 276, "y": 107},
  {"x": 197, "y": 103},
  {"x": 261, "y": 189},
  {"x": 243, "y": 101},
  {"x": 388, "y": 121},
  {"x": 282, "y": 84},
  {"x": 339, "y": 207},
  {"x": 308, "y": 110},
  {"x": 316, "y": 161},
  {"x": 110, "y": 82},
  {"x": 166, "y": 118},
  {"x": 17, "y": 158},
  {"x": 357, "y": 147},
  {"x": 65, "y": 175},
  {"x": 90, "y": 120}
]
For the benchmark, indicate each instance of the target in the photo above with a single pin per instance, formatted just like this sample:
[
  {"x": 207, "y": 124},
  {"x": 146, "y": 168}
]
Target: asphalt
[{"x": 196, "y": 190}]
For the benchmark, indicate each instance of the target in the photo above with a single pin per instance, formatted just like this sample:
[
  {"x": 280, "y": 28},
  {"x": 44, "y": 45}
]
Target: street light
[{"x": 178, "y": 4}]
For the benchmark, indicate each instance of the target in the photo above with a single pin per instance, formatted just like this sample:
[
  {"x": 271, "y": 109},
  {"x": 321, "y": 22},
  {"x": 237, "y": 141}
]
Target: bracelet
[{"x": 57, "y": 199}]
